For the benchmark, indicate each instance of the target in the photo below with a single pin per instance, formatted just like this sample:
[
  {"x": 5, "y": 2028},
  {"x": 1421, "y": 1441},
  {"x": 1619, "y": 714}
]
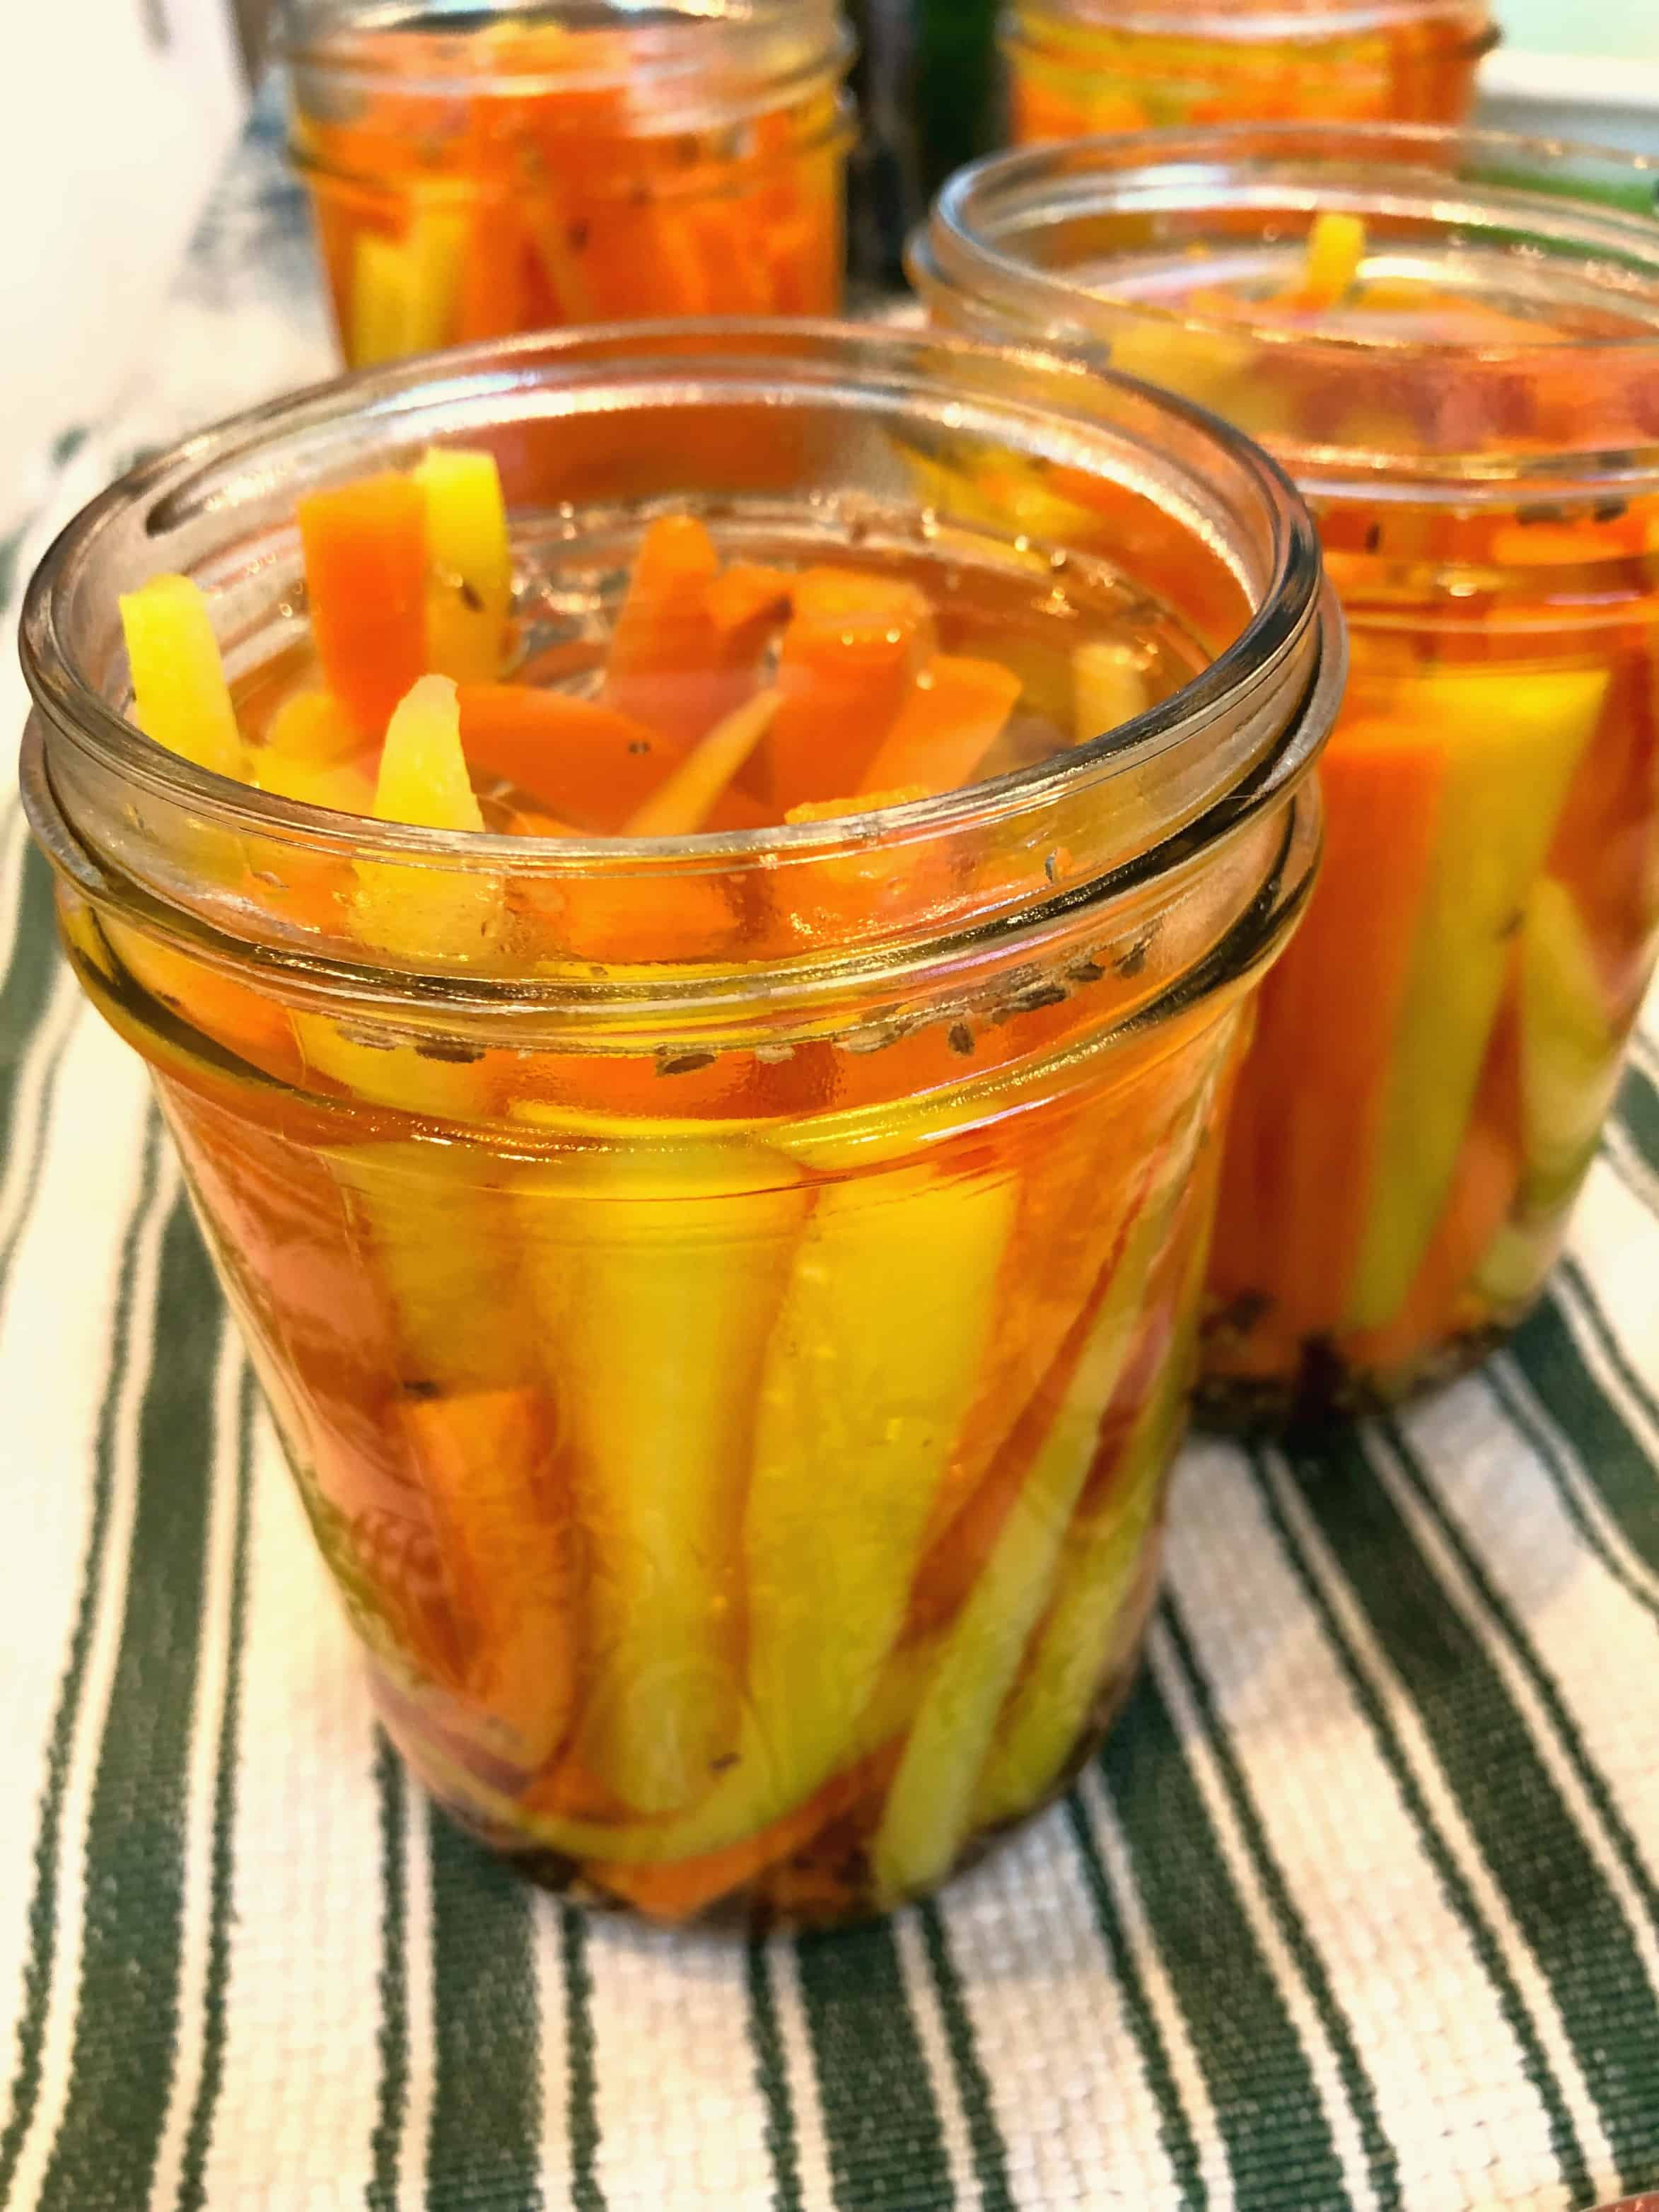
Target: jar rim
[
  {"x": 667, "y": 40},
  {"x": 1453, "y": 182},
  {"x": 1286, "y": 656}
]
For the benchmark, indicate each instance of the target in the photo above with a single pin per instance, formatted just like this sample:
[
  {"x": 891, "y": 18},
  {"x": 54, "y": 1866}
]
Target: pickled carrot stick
[
  {"x": 1570, "y": 1047},
  {"x": 245, "y": 1021},
  {"x": 404, "y": 289},
  {"x": 669, "y": 665},
  {"x": 654, "y": 1289},
  {"x": 929, "y": 1809},
  {"x": 583, "y": 762},
  {"x": 1335, "y": 251},
  {"x": 685, "y": 801},
  {"x": 181, "y": 696},
  {"x": 1484, "y": 1186},
  {"x": 681, "y": 1888},
  {"x": 1514, "y": 738},
  {"x": 468, "y": 551},
  {"x": 490, "y": 302},
  {"x": 1301, "y": 1146},
  {"x": 1607, "y": 843},
  {"x": 544, "y": 210},
  {"x": 745, "y": 593},
  {"x": 863, "y": 802},
  {"x": 1091, "y": 1617},
  {"x": 755, "y": 1787},
  {"x": 366, "y": 571},
  {"x": 313, "y": 726},
  {"x": 873, "y": 1370},
  {"x": 345, "y": 786},
  {"x": 956, "y": 711},
  {"x": 1075, "y": 1212},
  {"x": 1108, "y": 688},
  {"x": 509, "y": 1555},
  {"x": 844, "y": 672},
  {"x": 449, "y": 912}
]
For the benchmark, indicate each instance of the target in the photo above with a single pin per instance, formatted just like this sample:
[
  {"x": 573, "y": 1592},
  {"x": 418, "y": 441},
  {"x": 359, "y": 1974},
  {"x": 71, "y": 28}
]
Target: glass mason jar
[
  {"x": 729, "y": 1321},
  {"x": 1472, "y": 410},
  {"x": 1079, "y": 67},
  {"x": 478, "y": 173}
]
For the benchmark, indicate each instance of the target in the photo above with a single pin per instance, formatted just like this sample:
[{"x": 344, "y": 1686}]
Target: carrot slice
[
  {"x": 688, "y": 1887},
  {"x": 683, "y": 804},
  {"x": 1483, "y": 1194},
  {"x": 746, "y": 592},
  {"x": 1297, "y": 1186},
  {"x": 586, "y": 764},
  {"x": 954, "y": 714},
  {"x": 843, "y": 678},
  {"x": 483, "y": 1457},
  {"x": 670, "y": 666},
  {"x": 366, "y": 569},
  {"x": 180, "y": 697}
]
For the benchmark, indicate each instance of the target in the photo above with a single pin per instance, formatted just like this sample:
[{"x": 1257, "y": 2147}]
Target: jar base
[
  {"x": 1326, "y": 1393},
  {"x": 810, "y": 1891}
]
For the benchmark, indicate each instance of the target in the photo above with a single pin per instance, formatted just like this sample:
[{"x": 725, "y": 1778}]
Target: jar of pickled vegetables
[
  {"x": 1077, "y": 67},
  {"x": 507, "y": 169},
  {"x": 1453, "y": 343},
  {"x": 693, "y": 949}
]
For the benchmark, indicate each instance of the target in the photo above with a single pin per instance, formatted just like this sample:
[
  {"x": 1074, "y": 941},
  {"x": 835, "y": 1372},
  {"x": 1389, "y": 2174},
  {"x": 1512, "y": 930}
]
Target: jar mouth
[
  {"x": 615, "y": 46},
  {"x": 1240, "y": 732},
  {"x": 1263, "y": 22},
  {"x": 1063, "y": 243}
]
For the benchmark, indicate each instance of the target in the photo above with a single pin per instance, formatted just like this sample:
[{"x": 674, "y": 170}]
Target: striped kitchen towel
[{"x": 1359, "y": 1908}]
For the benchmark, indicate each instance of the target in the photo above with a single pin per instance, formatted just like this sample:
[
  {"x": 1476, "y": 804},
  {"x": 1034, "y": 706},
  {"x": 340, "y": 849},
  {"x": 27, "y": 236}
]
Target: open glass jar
[
  {"x": 1077, "y": 67},
  {"x": 728, "y": 1300},
  {"x": 1458, "y": 362},
  {"x": 478, "y": 173}
]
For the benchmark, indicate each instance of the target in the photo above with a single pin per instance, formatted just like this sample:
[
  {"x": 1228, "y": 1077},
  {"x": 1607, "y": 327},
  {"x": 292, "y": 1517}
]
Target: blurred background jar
[
  {"x": 1080, "y": 66},
  {"x": 475, "y": 175}
]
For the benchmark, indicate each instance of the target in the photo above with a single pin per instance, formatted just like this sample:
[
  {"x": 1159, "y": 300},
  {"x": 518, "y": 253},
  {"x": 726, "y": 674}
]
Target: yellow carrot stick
[
  {"x": 313, "y": 726},
  {"x": 467, "y": 542},
  {"x": 873, "y": 1367},
  {"x": 439, "y": 1231},
  {"x": 1049, "y": 1706},
  {"x": 681, "y": 805},
  {"x": 1514, "y": 737},
  {"x": 181, "y": 696},
  {"x": 423, "y": 781},
  {"x": 1108, "y": 688},
  {"x": 654, "y": 1290},
  {"x": 1336, "y": 250},
  {"x": 930, "y": 1807},
  {"x": 404, "y": 291},
  {"x": 340, "y": 784}
]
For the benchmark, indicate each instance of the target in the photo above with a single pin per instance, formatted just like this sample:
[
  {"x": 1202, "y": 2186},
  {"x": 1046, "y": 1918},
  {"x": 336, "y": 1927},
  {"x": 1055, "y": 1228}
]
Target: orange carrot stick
[
  {"x": 484, "y": 1457},
  {"x": 844, "y": 677},
  {"x": 954, "y": 714},
  {"x": 1296, "y": 1182},
  {"x": 670, "y": 666},
  {"x": 584, "y": 763},
  {"x": 745, "y": 593},
  {"x": 684, "y": 802},
  {"x": 366, "y": 571},
  {"x": 687, "y": 1887}
]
